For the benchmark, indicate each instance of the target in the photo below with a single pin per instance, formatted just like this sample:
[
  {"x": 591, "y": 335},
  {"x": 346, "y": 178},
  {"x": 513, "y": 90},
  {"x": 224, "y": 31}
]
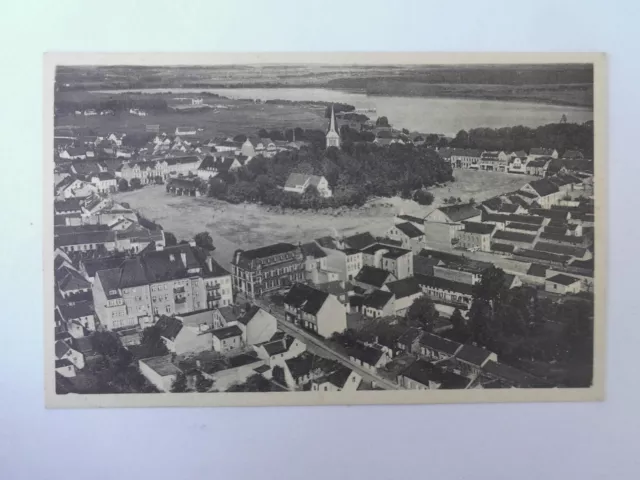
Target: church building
[{"x": 333, "y": 138}]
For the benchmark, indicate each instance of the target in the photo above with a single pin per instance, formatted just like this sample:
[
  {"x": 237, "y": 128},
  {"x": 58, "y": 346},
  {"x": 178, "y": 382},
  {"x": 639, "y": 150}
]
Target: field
[
  {"x": 250, "y": 226},
  {"x": 233, "y": 117}
]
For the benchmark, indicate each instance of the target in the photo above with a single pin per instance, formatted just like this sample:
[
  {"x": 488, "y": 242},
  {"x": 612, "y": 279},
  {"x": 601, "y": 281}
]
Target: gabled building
[
  {"x": 182, "y": 339},
  {"x": 547, "y": 193},
  {"x": 378, "y": 303},
  {"x": 446, "y": 220},
  {"x": 537, "y": 152},
  {"x": 410, "y": 236},
  {"x": 300, "y": 182},
  {"x": 213, "y": 166},
  {"x": 315, "y": 310},
  {"x": 405, "y": 292},
  {"x": 265, "y": 269},
  {"x": 563, "y": 284},
  {"x": 398, "y": 261},
  {"x": 341, "y": 379},
  {"x": 475, "y": 236},
  {"x": 371, "y": 278}
]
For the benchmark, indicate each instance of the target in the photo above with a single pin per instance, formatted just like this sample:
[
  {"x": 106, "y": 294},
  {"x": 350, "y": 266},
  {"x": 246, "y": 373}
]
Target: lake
[{"x": 427, "y": 115}]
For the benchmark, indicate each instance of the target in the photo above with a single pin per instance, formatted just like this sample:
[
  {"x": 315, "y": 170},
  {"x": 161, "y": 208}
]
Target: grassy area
[
  {"x": 250, "y": 226},
  {"x": 237, "y": 116}
]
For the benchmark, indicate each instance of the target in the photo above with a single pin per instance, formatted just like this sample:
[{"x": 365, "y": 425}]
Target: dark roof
[
  {"x": 227, "y": 332},
  {"x": 561, "y": 249},
  {"x": 377, "y": 299},
  {"x": 77, "y": 310},
  {"x": 494, "y": 217},
  {"x": 312, "y": 249},
  {"x": 537, "y": 163},
  {"x": 588, "y": 264},
  {"x": 562, "y": 238},
  {"x": 543, "y": 187},
  {"x": 268, "y": 251},
  {"x": 339, "y": 376},
  {"x": 537, "y": 270},
  {"x": 493, "y": 203},
  {"x": 539, "y": 255},
  {"x": 522, "y": 193},
  {"x": 563, "y": 279},
  {"x": 83, "y": 344},
  {"x": 514, "y": 236},
  {"x": 307, "y": 298},
  {"x": 275, "y": 348},
  {"x": 61, "y": 348},
  {"x": 502, "y": 247},
  {"x": 409, "y": 336},
  {"x": 453, "y": 381},
  {"x": 392, "y": 251},
  {"x": 508, "y": 208},
  {"x": 532, "y": 219},
  {"x": 513, "y": 376},
  {"x": 444, "y": 284},
  {"x": 248, "y": 315},
  {"x": 556, "y": 230},
  {"x": 169, "y": 327},
  {"x": 440, "y": 344},
  {"x": 327, "y": 242},
  {"x": 411, "y": 218},
  {"x": 68, "y": 205},
  {"x": 306, "y": 362},
  {"x": 479, "y": 228},
  {"x": 404, "y": 288},
  {"x": 368, "y": 355},
  {"x": 518, "y": 200},
  {"x": 550, "y": 213},
  {"x": 523, "y": 226},
  {"x": 422, "y": 372},
  {"x": 457, "y": 213},
  {"x": 360, "y": 241},
  {"x": 372, "y": 276},
  {"x": 63, "y": 363},
  {"x": 409, "y": 229},
  {"x": 473, "y": 355}
]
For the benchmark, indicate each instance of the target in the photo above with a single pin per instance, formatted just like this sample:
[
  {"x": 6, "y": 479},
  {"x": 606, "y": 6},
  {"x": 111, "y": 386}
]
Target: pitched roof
[
  {"x": 377, "y": 299},
  {"x": 523, "y": 226},
  {"x": 267, "y": 251},
  {"x": 77, "y": 310},
  {"x": 327, "y": 242},
  {"x": 457, "y": 213},
  {"x": 563, "y": 279},
  {"x": 404, "y": 288},
  {"x": 305, "y": 363},
  {"x": 539, "y": 255},
  {"x": 560, "y": 249},
  {"x": 554, "y": 214},
  {"x": 275, "y": 347},
  {"x": 390, "y": 251},
  {"x": 359, "y": 241},
  {"x": 248, "y": 315},
  {"x": 502, "y": 247},
  {"x": 479, "y": 228},
  {"x": 409, "y": 229},
  {"x": 423, "y": 372},
  {"x": 543, "y": 187},
  {"x": 72, "y": 280},
  {"x": 310, "y": 300},
  {"x": 296, "y": 180},
  {"x": 444, "y": 284},
  {"x": 366, "y": 354},
  {"x": 513, "y": 376},
  {"x": 473, "y": 355},
  {"x": 411, "y": 218},
  {"x": 161, "y": 365},
  {"x": 514, "y": 236},
  {"x": 440, "y": 344},
  {"x": 61, "y": 348},
  {"x": 312, "y": 249},
  {"x": 562, "y": 238},
  {"x": 339, "y": 376},
  {"x": 533, "y": 219},
  {"x": 227, "y": 332},
  {"x": 537, "y": 270},
  {"x": 372, "y": 276},
  {"x": 508, "y": 208},
  {"x": 169, "y": 327},
  {"x": 562, "y": 230}
]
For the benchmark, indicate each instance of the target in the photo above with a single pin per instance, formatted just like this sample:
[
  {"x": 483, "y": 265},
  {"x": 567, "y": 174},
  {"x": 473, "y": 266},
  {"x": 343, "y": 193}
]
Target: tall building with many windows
[
  {"x": 269, "y": 268},
  {"x": 171, "y": 281}
]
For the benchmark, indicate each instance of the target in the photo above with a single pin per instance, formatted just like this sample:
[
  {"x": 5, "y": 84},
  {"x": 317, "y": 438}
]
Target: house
[
  {"x": 105, "y": 182},
  {"x": 315, "y": 310},
  {"x": 436, "y": 348},
  {"x": 405, "y": 292},
  {"x": 79, "y": 318},
  {"x": 547, "y": 193},
  {"x": 410, "y": 236},
  {"x": 494, "y": 161},
  {"x": 184, "y": 186},
  {"x": 186, "y": 131},
  {"x": 339, "y": 380},
  {"x": 512, "y": 377},
  {"x": 181, "y": 339},
  {"x": 538, "y": 166},
  {"x": 279, "y": 349},
  {"x": 579, "y": 253},
  {"x": 475, "y": 236},
  {"x": 265, "y": 269},
  {"x": 73, "y": 153},
  {"x": 370, "y": 278},
  {"x": 212, "y": 166},
  {"x": 527, "y": 228},
  {"x": 300, "y": 182},
  {"x": 396, "y": 260},
  {"x": 378, "y": 303},
  {"x": 160, "y": 371},
  {"x": 516, "y": 239},
  {"x": 368, "y": 357},
  {"x": 64, "y": 352},
  {"x": 305, "y": 368},
  {"x": 73, "y": 187},
  {"x": 257, "y": 325},
  {"x": 446, "y": 292},
  {"x": 470, "y": 360},
  {"x": 563, "y": 284},
  {"x": 227, "y": 339},
  {"x": 518, "y": 163},
  {"x": 446, "y": 220},
  {"x": 175, "y": 280},
  {"x": 421, "y": 375},
  {"x": 535, "y": 153},
  {"x": 315, "y": 260},
  {"x": 463, "y": 157},
  {"x": 174, "y": 166},
  {"x": 537, "y": 270}
]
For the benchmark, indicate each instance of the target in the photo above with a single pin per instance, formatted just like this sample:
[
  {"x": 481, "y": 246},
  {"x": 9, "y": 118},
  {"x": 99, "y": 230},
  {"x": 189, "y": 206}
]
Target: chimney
[{"x": 183, "y": 256}]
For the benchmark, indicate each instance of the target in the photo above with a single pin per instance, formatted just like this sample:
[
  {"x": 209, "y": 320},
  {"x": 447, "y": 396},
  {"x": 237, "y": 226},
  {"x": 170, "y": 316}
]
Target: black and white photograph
[{"x": 317, "y": 229}]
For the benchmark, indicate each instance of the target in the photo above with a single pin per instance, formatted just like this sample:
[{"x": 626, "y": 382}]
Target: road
[{"x": 322, "y": 348}]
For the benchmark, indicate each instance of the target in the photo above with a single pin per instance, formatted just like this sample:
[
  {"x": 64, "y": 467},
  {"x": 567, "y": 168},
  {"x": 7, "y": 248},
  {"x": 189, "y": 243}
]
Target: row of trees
[
  {"x": 561, "y": 136},
  {"x": 363, "y": 171},
  {"x": 120, "y": 104}
]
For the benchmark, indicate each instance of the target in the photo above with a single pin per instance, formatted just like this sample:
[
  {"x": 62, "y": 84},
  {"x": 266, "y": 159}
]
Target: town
[{"x": 459, "y": 293}]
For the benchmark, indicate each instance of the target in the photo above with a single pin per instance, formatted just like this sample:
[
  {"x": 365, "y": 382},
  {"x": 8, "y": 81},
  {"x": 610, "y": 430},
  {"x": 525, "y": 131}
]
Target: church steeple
[{"x": 333, "y": 138}]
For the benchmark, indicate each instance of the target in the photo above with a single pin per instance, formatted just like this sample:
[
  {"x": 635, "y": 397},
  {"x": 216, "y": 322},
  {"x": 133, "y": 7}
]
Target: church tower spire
[{"x": 333, "y": 138}]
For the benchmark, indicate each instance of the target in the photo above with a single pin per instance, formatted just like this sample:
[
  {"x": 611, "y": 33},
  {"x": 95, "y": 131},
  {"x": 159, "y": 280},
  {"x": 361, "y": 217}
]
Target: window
[
  {"x": 168, "y": 308},
  {"x": 325, "y": 388}
]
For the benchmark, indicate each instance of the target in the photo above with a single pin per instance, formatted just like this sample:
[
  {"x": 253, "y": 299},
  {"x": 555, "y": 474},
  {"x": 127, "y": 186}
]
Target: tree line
[{"x": 559, "y": 136}]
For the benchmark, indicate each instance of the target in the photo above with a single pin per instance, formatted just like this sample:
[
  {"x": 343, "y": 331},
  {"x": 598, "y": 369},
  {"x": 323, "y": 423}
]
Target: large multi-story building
[
  {"x": 269, "y": 268},
  {"x": 175, "y": 280},
  {"x": 395, "y": 260}
]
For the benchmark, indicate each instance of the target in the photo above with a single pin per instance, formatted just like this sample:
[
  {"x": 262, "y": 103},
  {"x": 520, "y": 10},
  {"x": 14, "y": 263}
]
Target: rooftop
[
  {"x": 391, "y": 251},
  {"x": 360, "y": 241},
  {"x": 458, "y": 213},
  {"x": 479, "y": 228},
  {"x": 312, "y": 249},
  {"x": 523, "y": 226},
  {"x": 409, "y": 229},
  {"x": 543, "y": 187},
  {"x": 227, "y": 332},
  {"x": 377, "y": 299},
  {"x": 473, "y": 355},
  {"x": 444, "y": 284},
  {"x": 440, "y": 344},
  {"x": 423, "y": 372},
  {"x": 502, "y": 247},
  {"x": 514, "y": 236},
  {"x": 268, "y": 251},
  {"x": 562, "y": 279},
  {"x": 161, "y": 365},
  {"x": 310, "y": 300},
  {"x": 405, "y": 287},
  {"x": 372, "y": 276},
  {"x": 368, "y": 355},
  {"x": 537, "y": 270}
]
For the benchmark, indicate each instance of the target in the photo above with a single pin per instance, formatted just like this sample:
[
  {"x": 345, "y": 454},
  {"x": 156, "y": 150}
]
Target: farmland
[{"x": 250, "y": 226}]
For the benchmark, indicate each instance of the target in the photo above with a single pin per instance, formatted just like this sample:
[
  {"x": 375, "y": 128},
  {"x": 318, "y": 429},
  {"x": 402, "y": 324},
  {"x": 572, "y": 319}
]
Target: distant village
[{"x": 135, "y": 312}]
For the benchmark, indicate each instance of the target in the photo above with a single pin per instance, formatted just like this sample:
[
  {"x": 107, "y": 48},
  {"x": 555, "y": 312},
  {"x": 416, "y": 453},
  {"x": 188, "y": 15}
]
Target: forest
[
  {"x": 560, "y": 136},
  {"x": 358, "y": 172}
]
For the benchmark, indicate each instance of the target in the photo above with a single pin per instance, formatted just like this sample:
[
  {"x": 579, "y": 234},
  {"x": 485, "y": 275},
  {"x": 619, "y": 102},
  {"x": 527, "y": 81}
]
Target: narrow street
[{"x": 315, "y": 345}]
